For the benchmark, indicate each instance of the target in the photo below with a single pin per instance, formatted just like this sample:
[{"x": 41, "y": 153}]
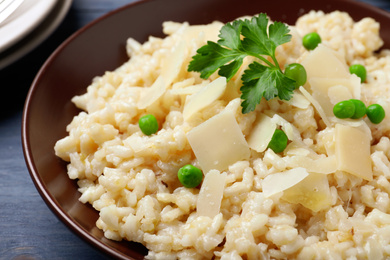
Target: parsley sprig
[{"x": 242, "y": 38}]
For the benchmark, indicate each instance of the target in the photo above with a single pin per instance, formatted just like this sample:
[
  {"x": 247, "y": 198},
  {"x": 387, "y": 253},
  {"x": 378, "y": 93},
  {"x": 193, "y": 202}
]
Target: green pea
[
  {"x": 344, "y": 109},
  {"x": 296, "y": 72},
  {"x": 375, "y": 113},
  {"x": 359, "y": 70},
  {"x": 311, "y": 40},
  {"x": 190, "y": 176},
  {"x": 278, "y": 141},
  {"x": 148, "y": 124},
  {"x": 360, "y": 109}
]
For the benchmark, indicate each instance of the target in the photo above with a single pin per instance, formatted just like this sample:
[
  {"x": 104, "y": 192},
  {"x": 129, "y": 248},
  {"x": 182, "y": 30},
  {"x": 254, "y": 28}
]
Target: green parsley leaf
[
  {"x": 262, "y": 81},
  {"x": 214, "y": 56},
  {"x": 243, "y": 38},
  {"x": 230, "y": 35},
  {"x": 211, "y": 57}
]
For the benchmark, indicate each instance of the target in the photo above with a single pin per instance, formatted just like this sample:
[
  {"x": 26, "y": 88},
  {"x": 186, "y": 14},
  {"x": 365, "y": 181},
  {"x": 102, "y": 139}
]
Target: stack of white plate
[{"x": 31, "y": 23}]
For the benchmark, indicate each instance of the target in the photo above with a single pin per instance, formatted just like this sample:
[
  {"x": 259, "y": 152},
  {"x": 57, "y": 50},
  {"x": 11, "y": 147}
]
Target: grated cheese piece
[
  {"x": 204, "y": 97},
  {"x": 313, "y": 192},
  {"x": 353, "y": 151},
  {"x": 361, "y": 124},
  {"x": 210, "y": 194},
  {"x": 338, "y": 93},
  {"x": 298, "y": 100},
  {"x": 291, "y": 131},
  {"x": 316, "y": 105},
  {"x": 328, "y": 91},
  {"x": 278, "y": 182},
  {"x": 170, "y": 69},
  {"x": 352, "y": 83},
  {"x": 218, "y": 142},
  {"x": 234, "y": 105},
  {"x": 324, "y": 165},
  {"x": 261, "y": 133},
  {"x": 323, "y": 62}
]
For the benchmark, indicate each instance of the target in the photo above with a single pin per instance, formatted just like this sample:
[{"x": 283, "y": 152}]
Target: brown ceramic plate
[{"x": 100, "y": 46}]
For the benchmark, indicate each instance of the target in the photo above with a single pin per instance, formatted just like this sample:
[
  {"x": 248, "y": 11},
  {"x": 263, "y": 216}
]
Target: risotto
[{"x": 326, "y": 196}]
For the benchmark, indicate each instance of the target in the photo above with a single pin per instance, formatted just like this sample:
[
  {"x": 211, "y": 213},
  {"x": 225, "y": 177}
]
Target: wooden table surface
[{"x": 28, "y": 229}]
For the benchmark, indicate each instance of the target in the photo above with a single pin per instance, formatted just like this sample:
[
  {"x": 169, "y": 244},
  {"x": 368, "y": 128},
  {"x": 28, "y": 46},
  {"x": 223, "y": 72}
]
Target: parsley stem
[
  {"x": 263, "y": 59},
  {"x": 276, "y": 62}
]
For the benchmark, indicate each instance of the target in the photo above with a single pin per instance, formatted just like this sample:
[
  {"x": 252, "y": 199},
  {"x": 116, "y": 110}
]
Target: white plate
[
  {"x": 35, "y": 34},
  {"x": 23, "y": 20}
]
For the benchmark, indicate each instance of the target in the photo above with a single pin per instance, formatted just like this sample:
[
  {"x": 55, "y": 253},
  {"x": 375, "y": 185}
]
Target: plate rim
[
  {"x": 39, "y": 34},
  {"x": 13, "y": 21}
]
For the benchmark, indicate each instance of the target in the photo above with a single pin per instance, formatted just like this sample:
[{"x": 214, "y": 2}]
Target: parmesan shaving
[
  {"x": 323, "y": 62},
  {"x": 324, "y": 165},
  {"x": 278, "y": 182},
  {"x": 218, "y": 142},
  {"x": 210, "y": 194},
  {"x": 291, "y": 131},
  {"x": 170, "y": 70},
  {"x": 262, "y": 133},
  {"x": 313, "y": 193},
  {"x": 353, "y": 151},
  {"x": 204, "y": 97},
  {"x": 339, "y": 93},
  {"x": 316, "y": 105},
  {"x": 328, "y": 91},
  {"x": 298, "y": 100}
]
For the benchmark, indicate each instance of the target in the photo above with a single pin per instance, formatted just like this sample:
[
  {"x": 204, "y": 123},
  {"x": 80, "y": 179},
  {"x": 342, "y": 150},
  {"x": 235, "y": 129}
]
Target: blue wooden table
[{"x": 28, "y": 229}]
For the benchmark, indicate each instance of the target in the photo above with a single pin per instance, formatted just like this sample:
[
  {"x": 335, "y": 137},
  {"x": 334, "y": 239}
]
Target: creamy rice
[{"x": 131, "y": 179}]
